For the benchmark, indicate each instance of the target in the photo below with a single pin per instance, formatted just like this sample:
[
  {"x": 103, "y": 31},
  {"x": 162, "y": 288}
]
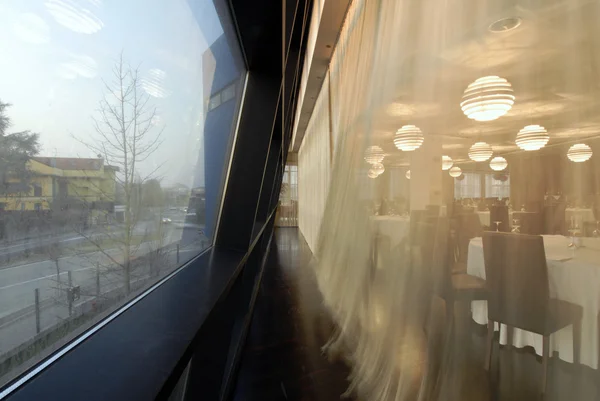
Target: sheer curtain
[
  {"x": 406, "y": 62},
  {"x": 314, "y": 169}
]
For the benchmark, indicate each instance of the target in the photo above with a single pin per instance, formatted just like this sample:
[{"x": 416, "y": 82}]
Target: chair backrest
[
  {"x": 469, "y": 226},
  {"x": 516, "y": 278},
  {"x": 499, "y": 213},
  {"x": 431, "y": 256},
  {"x": 554, "y": 218},
  {"x": 444, "y": 240}
]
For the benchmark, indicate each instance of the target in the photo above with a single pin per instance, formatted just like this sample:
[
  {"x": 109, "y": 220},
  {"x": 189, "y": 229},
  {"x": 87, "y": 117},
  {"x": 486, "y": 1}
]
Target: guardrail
[{"x": 93, "y": 300}]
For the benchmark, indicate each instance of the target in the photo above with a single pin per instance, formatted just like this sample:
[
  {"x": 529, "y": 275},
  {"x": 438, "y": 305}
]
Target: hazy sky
[{"x": 55, "y": 53}]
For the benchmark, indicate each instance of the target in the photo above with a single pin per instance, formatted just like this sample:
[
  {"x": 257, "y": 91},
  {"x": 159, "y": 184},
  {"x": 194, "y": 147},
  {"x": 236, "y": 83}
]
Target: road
[
  {"x": 17, "y": 248},
  {"x": 19, "y": 283}
]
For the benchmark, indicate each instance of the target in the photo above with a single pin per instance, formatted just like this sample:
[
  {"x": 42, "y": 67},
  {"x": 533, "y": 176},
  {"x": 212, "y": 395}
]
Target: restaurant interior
[{"x": 449, "y": 182}]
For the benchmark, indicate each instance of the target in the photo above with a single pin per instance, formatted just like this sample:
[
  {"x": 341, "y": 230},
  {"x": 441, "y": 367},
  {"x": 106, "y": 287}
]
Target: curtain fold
[
  {"x": 407, "y": 62},
  {"x": 314, "y": 169}
]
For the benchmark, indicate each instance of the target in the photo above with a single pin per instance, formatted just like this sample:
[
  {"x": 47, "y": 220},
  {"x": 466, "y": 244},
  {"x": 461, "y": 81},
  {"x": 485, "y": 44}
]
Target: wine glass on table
[
  {"x": 574, "y": 230},
  {"x": 497, "y": 223}
]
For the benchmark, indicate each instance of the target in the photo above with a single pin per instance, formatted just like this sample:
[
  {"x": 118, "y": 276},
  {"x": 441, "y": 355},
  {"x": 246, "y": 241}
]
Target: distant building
[
  {"x": 60, "y": 183},
  {"x": 177, "y": 195},
  {"x": 222, "y": 87}
]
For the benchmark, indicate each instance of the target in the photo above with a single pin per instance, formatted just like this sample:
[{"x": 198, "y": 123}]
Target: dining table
[
  {"x": 387, "y": 232},
  {"x": 574, "y": 276},
  {"x": 484, "y": 218},
  {"x": 392, "y": 226},
  {"x": 579, "y": 214}
]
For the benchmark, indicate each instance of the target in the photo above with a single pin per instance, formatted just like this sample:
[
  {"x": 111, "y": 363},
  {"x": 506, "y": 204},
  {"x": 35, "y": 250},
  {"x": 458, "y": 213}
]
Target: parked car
[{"x": 165, "y": 220}]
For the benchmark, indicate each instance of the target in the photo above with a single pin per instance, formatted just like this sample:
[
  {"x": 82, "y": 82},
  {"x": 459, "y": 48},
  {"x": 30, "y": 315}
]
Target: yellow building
[{"x": 60, "y": 180}]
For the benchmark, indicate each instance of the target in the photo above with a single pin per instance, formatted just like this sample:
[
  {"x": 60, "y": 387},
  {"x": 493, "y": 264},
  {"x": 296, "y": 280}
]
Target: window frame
[{"x": 207, "y": 279}]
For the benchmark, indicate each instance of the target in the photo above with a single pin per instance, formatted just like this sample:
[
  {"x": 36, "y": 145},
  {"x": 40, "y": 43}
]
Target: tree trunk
[{"x": 127, "y": 274}]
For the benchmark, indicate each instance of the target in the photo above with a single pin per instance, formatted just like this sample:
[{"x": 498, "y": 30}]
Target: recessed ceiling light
[{"x": 505, "y": 24}]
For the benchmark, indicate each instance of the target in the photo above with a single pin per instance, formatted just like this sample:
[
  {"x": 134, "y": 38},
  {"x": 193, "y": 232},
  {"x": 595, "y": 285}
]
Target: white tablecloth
[
  {"x": 484, "y": 218},
  {"x": 580, "y": 215},
  {"x": 576, "y": 280},
  {"x": 394, "y": 227}
]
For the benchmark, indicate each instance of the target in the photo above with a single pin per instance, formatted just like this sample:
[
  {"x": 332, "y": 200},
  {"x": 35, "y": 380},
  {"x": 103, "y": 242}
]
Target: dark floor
[{"x": 283, "y": 360}]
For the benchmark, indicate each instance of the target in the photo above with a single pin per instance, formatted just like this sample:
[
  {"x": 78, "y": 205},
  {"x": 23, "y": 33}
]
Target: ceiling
[{"x": 550, "y": 59}]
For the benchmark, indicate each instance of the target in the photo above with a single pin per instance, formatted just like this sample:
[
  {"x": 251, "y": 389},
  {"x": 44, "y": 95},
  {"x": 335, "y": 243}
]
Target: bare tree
[{"x": 126, "y": 136}]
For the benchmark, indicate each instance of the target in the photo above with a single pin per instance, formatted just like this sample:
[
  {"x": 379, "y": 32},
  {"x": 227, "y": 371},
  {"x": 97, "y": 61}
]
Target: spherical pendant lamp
[
  {"x": 447, "y": 162},
  {"x": 455, "y": 172},
  {"x": 480, "y": 152},
  {"x": 374, "y": 154},
  {"x": 408, "y": 138},
  {"x": 407, "y": 175},
  {"x": 372, "y": 174},
  {"x": 532, "y": 137},
  {"x": 487, "y": 99},
  {"x": 498, "y": 163},
  {"x": 579, "y": 153},
  {"x": 378, "y": 168}
]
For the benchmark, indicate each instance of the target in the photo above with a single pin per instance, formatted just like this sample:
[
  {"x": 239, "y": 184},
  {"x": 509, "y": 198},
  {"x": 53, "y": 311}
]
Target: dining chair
[
  {"x": 422, "y": 243},
  {"x": 499, "y": 213},
  {"x": 554, "y": 218},
  {"x": 519, "y": 295},
  {"x": 464, "y": 227},
  {"x": 451, "y": 283}
]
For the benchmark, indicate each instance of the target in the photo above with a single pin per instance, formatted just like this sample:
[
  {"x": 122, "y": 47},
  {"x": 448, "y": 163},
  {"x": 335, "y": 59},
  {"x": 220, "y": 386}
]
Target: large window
[
  {"x": 497, "y": 186},
  {"x": 468, "y": 186},
  {"x": 113, "y": 166},
  {"x": 287, "y": 213}
]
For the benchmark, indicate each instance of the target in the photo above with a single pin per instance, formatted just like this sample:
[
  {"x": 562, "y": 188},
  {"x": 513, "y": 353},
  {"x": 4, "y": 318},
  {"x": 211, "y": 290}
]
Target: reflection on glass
[
  {"x": 412, "y": 54},
  {"x": 111, "y": 166}
]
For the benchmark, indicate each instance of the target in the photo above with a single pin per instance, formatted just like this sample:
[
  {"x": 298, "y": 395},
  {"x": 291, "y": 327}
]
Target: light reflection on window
[{"x": 104, "y": 183}]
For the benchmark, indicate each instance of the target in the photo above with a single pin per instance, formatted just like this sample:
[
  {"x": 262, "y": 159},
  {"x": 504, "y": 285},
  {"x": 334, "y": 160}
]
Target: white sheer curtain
[
  {"x": 314, "y": 169},
  {"x": 407, "y": 62}
]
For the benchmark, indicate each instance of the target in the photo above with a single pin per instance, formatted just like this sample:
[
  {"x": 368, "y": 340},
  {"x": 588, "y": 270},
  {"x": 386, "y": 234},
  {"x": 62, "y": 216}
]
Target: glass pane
[
  {"x": 287, "y": 212},
  {"x": 112, "y": 156},
  {"x": 492, "y": 108}
]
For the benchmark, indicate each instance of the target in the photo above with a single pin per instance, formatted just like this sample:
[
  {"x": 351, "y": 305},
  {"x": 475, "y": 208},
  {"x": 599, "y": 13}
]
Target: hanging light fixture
[
  {"x": 447, "y": 162},
  {"x": 407, "y": 175},
  {"x": 532, "y": 137},
  {"x": 579, "y": 153},
  {"x": 498, "y": 163},
  {"x": 374, "y": 154},
  {"x": 408, "y": 138},
  {"x": 372, "y": 174},
  {"x": 487, "y": 99},
  {"x": 378, "y": 168},
  {"x": 480, "y": 152},
  {"x": 455, "y": 172}
]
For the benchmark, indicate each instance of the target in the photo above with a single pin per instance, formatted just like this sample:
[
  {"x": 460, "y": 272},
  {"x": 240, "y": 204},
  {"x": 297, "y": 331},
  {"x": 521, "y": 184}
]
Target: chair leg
[
  {"x": 577, "y": 343},
  {"x": 545, "y": 356},
  {"x": 489, "y": 345}
]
